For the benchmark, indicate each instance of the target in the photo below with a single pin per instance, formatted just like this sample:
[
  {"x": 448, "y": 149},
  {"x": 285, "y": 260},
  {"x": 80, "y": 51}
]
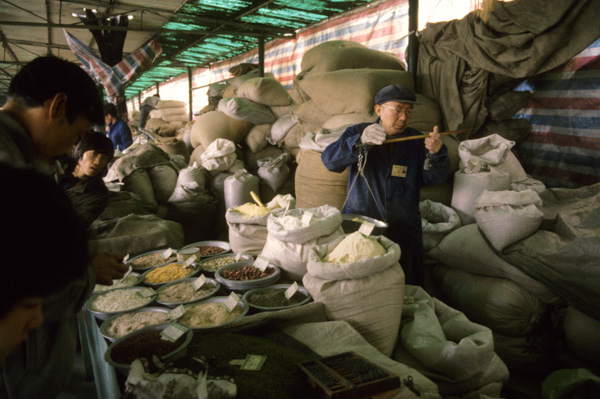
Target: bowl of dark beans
[{"x": 244, "y": 276}]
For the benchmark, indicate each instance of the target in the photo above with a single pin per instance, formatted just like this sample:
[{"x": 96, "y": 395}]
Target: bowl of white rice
[
  {"x": 131, "y": 280},
  {"x": 122, "y": 324},
  {"x": 113, "y": 302},
  {"x": 212, "y": 313},
  {"x": 183, "y": 291}
]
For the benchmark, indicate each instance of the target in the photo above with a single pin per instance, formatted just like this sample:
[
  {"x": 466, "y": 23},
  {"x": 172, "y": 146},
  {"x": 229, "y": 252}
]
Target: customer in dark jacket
[
  {"x": 394, "y": 172},
  {"x": 82, "y": 179},
  {"x": 117, "y": 130}
]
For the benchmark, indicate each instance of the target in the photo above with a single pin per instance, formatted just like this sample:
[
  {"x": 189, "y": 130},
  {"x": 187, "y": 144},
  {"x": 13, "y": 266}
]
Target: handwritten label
[
  {"x": 173, "y": 332},
  {"x": 291, "y": 290},
  {"x": 176, "y": 313},
  {"x": 189, "y": 261},
  {"x": 261, "y": 262},
  {"x": 167, "y": 254},
  {"x": 253, "y": 362},
  {"x": 306, "y": 216},
  {"x": 146, "y": 292},
  {"x": 366, "y": 228},
  {"x": 199, "y": 282},
  {"x": 232, "y": 301}
]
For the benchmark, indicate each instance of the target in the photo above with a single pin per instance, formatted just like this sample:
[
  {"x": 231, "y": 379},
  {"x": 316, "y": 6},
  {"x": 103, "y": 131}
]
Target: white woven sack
[
  {"x": 162, "y": 104},
  {"x": 368, "y": 294},
  {"x": 319, "y": 140},
  {"x": 219, "y": 156},
  {"x": 190, "y": 182},
  {"x": 467, "y": 187},
  {"x": 528, "y": 184},
  {"x": 275, "y": 173},
  {"x": 494, "y": 150},
  {"x": 164, "y": 181},
  {"x": 437, "y": 221},
  {"x": 237, "y": 188},
  {"x": 497, "y": 303},
  {"x": 176, "y": 118},
  {"x": 266, "y": 91},
  {"x": 243, "y": 109},
  {"x": 172, "y": 111},
  {"x": 248, "y": 234},
  {"x": 289, "y": 247},
  {"x": 280, "y": 128},
  {"x": 465, "y": 249},
  {"x": 506, "y": 217}
]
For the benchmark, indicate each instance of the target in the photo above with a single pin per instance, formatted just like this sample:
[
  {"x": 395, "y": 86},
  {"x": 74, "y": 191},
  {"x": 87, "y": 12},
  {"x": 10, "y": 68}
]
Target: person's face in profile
[
  {"x": 92, "y": 163},
  {"x": 26, "y": 315}
]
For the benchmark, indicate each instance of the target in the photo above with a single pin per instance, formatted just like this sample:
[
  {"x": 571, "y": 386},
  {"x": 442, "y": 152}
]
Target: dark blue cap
[{"x": 395, "y": 93}]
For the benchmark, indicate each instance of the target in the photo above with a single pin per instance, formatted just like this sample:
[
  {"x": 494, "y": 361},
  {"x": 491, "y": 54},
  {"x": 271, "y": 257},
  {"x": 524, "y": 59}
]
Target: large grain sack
[
  {"x": 454, "y": 352},
  {"x": 506, "y": 217},
  {"x": 497, "y": 303},
  {"x": 154, "y": 124},
  {"x": 265, "y": 91},
  {"x": 219, "y": 156},
  {"x": 437, "y": 221},
  {"x": 281, "y": 111},
  {"x": 356, "y": 58},
  {"x": 237, "y": 81},
  {"x": 237, "y": 188},
  {"x": 217, "y": 125},
  {"x": 294, "y": 137},
  {"x": 296, "y": 93},
  {"x": 342, "y": 121},
  {"x": 352, "y": 90},
  {"x": 280, "y": 128},
  {"x": 289, "y": 241},
  {"x": 135, "y": 234},
  {"x": 528, "y": 352},
  {"x": 174, "y": 146},
  {"x": 163, "y": 104},
  {"x": 191, "y": 184},
  {"x": 164, "y": 180},
  {"x": 315, "y": 185},
  {"x": 177, "y": 119},
  {"x": 173, "y": 111},
  {"x": 582, "y": 334},
  {"x": 139, "y": 183},
  {"x": 267, "y": 194},
  {"x": 195, "y": 156},
  {"x": 120, "y": 204},
  {"x": 197, "y": 218},
  {"x": 248, "y": 229},
  {"x": 311, "y": 115},
  {"x": 246, "y": 110},
  {"x": 319, "y": 140},
  {"x": 426, "y": 115},
  {"x": 275, "y": 172},
  {"x": 256, "y": 139},
  {"x": 443, "y": 193},
  {"x": 367, "y": 293},
  {"x": 467, "y": 250},
  {"x": 253, "y": 159},
  {"x": 315, "y": 54}
]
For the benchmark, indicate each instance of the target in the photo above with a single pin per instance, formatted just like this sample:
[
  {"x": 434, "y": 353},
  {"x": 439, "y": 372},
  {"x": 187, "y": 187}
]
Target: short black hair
[
  {"x": 36, "y": 213},
  {"x": 44, "y": 77},
  {"x": 111, "y": 109},
  {"x": 96, "y": 141}
]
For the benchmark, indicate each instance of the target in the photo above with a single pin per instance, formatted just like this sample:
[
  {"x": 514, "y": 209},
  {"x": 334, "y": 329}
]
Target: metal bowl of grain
[
  {"x": 183, "y": 292},
  {"x": 273, "y": 297},
  {"x": 131, "y": 280},
  {"x": 212, "y": 313},
  {"x": 173, "y": 271},
  {"x": 214, "y": 263},
  {"x": 110, "y": 303},
  {"x": 244, "y": 276},
  {"x": 118, "y": 326},
  {"x": 210, "y": 248},
  {"x": 147, "y": 260}
]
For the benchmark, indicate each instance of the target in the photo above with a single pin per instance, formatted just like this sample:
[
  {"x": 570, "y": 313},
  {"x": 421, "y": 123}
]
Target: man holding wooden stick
[{"x": 395, "y": 160}]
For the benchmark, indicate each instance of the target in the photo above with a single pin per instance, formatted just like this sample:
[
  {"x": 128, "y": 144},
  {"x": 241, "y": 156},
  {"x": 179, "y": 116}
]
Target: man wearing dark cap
[
  {"x": 118, "y": 131},
  {"x": 393, "y": 172}
]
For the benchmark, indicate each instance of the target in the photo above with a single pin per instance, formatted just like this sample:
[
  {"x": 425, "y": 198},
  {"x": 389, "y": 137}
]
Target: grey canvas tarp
[{"x": 521, "y": 38}]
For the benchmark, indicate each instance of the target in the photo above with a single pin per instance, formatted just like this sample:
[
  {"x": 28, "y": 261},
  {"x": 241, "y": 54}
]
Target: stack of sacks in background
[
  {"x": 359, "y": 280},
  {"x": 448, "y": 348},
  {"x": 168, "y": 119},
  {"x": 467, "y": 239},
  {"x": 335, "y": 89},
  {"x": 150, "y": 175},
  {"x": 134, "y": 120}
]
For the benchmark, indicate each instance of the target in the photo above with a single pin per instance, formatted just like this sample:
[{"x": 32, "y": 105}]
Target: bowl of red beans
[{"x": 244, "y": 276}]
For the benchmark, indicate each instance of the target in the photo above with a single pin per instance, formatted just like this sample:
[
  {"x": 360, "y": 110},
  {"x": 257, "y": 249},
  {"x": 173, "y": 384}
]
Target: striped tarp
[
  {"x": 382, "y": 27},
  {"x": 563, "y": 149},
  {"x": 113, "y": 78}
]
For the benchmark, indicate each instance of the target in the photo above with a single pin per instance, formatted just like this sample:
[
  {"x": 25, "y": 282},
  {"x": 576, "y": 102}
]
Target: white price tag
[
  {"x": 189, "y": 261},
  {"x": 261, "y": 262},
  {"x": 366, "y": 228},
  {"x": 167, "y": 254},
  {"x": 173, "y": 332},
  {"x": 291, "y": 290},
  {"x": 146, "y": 292},
  {"x": 232, "y": 301},
  {"x": 126, "y": 274},
  {"x": 253, "y": 362},
  {"x": 126, "y": 258},
  {"x": 199, "y": 282},
  {"x": 176, "y": 313},
  {"x": 306, "y": 216}
]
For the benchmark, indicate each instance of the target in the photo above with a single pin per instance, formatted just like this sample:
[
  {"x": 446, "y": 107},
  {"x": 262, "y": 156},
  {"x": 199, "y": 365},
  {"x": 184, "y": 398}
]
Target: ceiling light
[
  {"x": 74, "y": 14},
  {"x": 130, "y": 17}
]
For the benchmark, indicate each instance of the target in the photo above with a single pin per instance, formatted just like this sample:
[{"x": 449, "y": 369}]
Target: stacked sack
[
  {"x": 359, "y": 280},
  {"x": 169, "y": 118}
]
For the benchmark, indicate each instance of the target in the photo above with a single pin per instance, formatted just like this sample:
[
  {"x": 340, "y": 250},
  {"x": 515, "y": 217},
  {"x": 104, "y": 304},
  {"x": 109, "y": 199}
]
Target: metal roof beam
[
  {"x": 38, "y": 44},
  {"x": 289, "y": 35}
]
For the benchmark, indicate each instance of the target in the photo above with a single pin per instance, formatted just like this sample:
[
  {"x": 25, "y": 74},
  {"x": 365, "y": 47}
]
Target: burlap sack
[
  {"x": 191, "y": 184},
  {"x": 162, "y": 104},
  {"x": 195, "y": 156},
  {"x": 289, "y": 247},
  {"x": 154, "y": 124},
  {"x": 265, "y": 91},
  {"x": 345, "y": 120},
  {"x": 294, "y": 136},
  {"x": 437, "y": 221},
  {"x": 239, "y": 80},
  {"x": 174, "y": 146},
  {"x": 281, "y": 111},
  {"x": 313, "y": 55},
  {"x": 315, "y": 185},
  {"x": 356, "y": 58},
  {"x": 351, "y": 90},
  {"x": 139, "y": 183},
  {"x": 256, "y": 139},
  {"x": 274, "y": 173},
  {"x": 280, "y": 128},
  {"x": 179, "y": 119},
  {"x": 246, "y": 110},
  {"x": 164, "y": 181},
  {"x": 311, "y": 115},
  {"x": 216, "y": 124},
  {"x": 497, "y": 303},
  {"x": 172, "y": 111},
  {"x": 368, "y": 293},
  {"x": 426, "y": 115},
  {"x": 252, "y": 158}
]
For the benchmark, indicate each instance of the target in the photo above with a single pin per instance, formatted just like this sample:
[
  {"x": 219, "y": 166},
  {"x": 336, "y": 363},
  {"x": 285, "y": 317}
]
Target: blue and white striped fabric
[{"x": 563, "y": 149}]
